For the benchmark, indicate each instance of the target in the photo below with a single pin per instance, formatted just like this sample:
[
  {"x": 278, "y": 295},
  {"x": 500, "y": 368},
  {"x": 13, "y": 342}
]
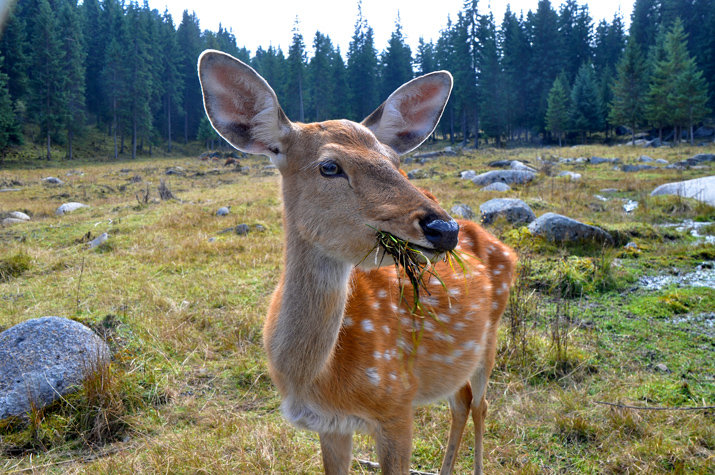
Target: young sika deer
[{"x": 344, "y": 347}]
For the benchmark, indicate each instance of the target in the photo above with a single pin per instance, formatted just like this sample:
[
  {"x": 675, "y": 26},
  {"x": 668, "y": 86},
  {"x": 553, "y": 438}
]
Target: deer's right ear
[{"x": 241, "y": 105}]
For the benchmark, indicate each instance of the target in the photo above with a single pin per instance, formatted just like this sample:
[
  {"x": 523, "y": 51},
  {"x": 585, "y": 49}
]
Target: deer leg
[
  {"x": 479, "y": 412},
  {"x": 394, "y": 445},
  {"x": 459, "y": 404},
  {"x": 337, "y": 452}
]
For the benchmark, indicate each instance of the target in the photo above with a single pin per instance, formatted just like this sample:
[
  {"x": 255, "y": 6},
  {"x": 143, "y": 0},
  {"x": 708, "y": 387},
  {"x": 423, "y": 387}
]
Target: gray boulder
[
  {"x": 98, "y": 241},
  {"x": 223, "y": 211},
  {"x": 693, "y": 161},
  {"x": 51, "y": 180},
  {"x": 499, "y": 163},
  {"x": 10, "y": 221},
  {"x": 702, "y": 189},
  {"x": 558, "y": 228},
  {"x": 599, "y": 160},
  {"x": 461, "y": 210},
  {"x": 514, "y": 210},
  {"x": 504, "y": 176},
  {"x": 637, "y": 168},
  {"x": 416, "y": 174},
  {"x": 572, "y": 175},
  {"x": 19, "y": 215},
  {"x": 645, "y": 159},
  {"x": 69, "y": 207},
  {"x": 517, "y": 165},
  {"x": 497, "y": 186},
  {"x": 467, "y": 174},
  {"x": 43, "y": 358},
  {"x": 661, "y": 161}
]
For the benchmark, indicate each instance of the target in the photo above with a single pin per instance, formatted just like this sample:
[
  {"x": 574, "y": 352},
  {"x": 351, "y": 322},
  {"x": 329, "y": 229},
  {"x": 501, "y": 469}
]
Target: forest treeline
[{"x": 130, "y": 71}]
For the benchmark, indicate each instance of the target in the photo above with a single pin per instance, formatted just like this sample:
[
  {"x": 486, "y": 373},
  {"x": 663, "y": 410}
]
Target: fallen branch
[
  {"x": 376, "y": 466},
  {"x": 656, "y": 408}
]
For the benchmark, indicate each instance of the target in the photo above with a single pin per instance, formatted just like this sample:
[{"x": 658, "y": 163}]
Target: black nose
[{"x": 442, "y": 234}]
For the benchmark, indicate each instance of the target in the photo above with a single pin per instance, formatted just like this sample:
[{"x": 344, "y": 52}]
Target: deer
[{"x": 345, "y": 347}]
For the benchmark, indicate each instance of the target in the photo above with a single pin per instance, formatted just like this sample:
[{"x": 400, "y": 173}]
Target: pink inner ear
[
  {"x": 234, "y": 96},
  {"x": 417, "y": 109}
]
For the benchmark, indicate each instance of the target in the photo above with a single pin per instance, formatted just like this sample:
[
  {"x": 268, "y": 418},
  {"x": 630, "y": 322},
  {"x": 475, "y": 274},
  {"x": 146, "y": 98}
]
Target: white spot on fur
[
  {"x": 475, "y": 307},
  {"x": 506, "y": 254},
  {"x": 367, "y": 325},
  {"x": 393, "y": 376},
  {"x": 459, "y": 326},
  {"x": 382, "y": 294},
  {"x": 495, "y": 305},
  {"x": 444, "y": 337},
  {"x": 386, "y": 329},
  {"x": 373, "y": 376},
  {"x": 393, "y": 306},
  {"x": 455, "y": 292},
  {"x": 431, "y": 301},
  {"x": 375, "y": 305},
  {"x": 377, "y": 355},
  {"x": 443, "y": 318},
  {"x": 428, "y": 325}
]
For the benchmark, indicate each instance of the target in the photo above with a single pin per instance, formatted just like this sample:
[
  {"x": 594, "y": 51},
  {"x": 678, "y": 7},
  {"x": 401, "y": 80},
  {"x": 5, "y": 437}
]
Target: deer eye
[{"x": 331, "y": 169}]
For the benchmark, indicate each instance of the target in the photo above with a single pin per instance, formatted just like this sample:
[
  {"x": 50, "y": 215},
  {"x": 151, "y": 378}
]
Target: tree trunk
[
  {"x": 300, "y": 98},
  {"x": 451, "y": 125},
  {"x": 69, "y": 144},
  {"x": 476, "y": 129},
  {"x": 186, "y": 128},
  {"x": 134, "y": 138},
  {"x": 48, "y": 143},
  {"x": 633, "y": 134},
  {"x": 168, "y": 122},
  {"x": 465, "y": 132}
]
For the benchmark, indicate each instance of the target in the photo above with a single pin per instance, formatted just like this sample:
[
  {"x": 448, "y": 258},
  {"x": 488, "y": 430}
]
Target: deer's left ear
[{"x": 412, "y": 112}]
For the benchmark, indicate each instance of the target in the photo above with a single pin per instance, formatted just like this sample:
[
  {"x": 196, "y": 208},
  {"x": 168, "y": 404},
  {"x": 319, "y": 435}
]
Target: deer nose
[{"x": 441, "y": 234}]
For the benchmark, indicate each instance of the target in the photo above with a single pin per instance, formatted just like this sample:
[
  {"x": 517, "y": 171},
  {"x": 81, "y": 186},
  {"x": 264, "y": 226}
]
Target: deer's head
[{"x": 341, "y": 179}]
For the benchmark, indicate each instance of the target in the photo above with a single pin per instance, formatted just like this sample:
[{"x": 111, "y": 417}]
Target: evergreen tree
[
  {"x": 295, "y": 106},
  {"x": 557, "y": 111},
  {"x": 188, "y": 35},
  {"x": 609, "y": 42},
  {"x": 362, "y": 70},
  {"x": 321, "y": 84},
  {"x": 9, "y": 128},
  {"x": 271, "y": 64},
  {"x": 585, "y": 103},
  {"x": 490, "y": 81},
  {"x": 47, "y": 98},
  {"x": 657, "y": 108},
  {"x": 73, "y": 72},
  {"x": 14, "y": 47},
  {"x": 172, "y": 86},
  {"x": 425, "y": 62},
  {"x": 629, "y": 89},
  {"x": 515, "y": 50},
  {"x": 543, "y": 65},
  {"x": 95, "y": 41},
  {"x": 339, "y": 82},
  {"x": 645, "y": 19},
  {"x": 396, "y": 62},
  {"x": 687, "y": 94},
  {"x": 575, "y": 32}
]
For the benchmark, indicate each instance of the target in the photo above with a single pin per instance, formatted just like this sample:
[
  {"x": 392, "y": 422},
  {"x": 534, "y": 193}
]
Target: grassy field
[{"x": 182, "y": 304}]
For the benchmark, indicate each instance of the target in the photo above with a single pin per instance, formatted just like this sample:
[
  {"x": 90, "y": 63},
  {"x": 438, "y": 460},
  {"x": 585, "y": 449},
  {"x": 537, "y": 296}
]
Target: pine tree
[
  {"x": 73, "y": 72},
  {"x": 609, "y": 42},
  {"x": 47, "y": 100},
  {"x": 9, "y": 128},
  {"x": 657, "y": 108},
  {"x": 395, "y": 62},
  {"x": 172, "y": 87},
  {"x": 515, "y": 50},
  {"x": 629, "y": 89},
  {"x": 557, "y": 112},
  {"x": 188, "y": 35},
  {"x": 14, "y": 47},
  {"x": 95, "y": 40},
  {"x": 362, "y": 70},
  {"x": 545, "y": 41},
  {"x": 687, "y": 94},
  {"x": 645, "y": 19},
  {"x": 295, "y": 105},
  {"x": 319, "y": 72},
  {"x": 575, "y": 33},
  {"x": 338, "y": 74},
  {"x": 425, "y": 62},
  {"x": 585, "y": 103},
  {"x": 490, "y": 81}
]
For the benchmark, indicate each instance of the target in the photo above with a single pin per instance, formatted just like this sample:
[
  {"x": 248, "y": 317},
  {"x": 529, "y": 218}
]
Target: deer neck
[{"x": 301, "y": 333}]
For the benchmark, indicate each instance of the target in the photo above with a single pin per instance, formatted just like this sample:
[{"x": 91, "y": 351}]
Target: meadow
[{"x": 583, "y": 345}]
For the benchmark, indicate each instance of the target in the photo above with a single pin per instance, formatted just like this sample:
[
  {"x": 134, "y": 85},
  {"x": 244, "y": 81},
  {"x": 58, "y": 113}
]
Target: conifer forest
[{"x": 552, "y": 75}]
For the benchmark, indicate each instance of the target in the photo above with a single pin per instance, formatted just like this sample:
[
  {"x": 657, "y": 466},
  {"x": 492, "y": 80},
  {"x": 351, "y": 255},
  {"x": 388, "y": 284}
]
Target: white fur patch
[
  {"x": 373, "y": 375},
  {"x": 367, "y": 325}
]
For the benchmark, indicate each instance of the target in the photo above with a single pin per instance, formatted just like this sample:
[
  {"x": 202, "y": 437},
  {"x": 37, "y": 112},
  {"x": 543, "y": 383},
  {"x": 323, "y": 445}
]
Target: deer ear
[
  {"x": 412, "y": 112},
  {"x": 241, "y": 105}
]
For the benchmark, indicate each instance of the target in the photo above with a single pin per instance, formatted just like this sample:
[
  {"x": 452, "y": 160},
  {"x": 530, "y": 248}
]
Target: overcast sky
[{"x": 270, "y": 22}]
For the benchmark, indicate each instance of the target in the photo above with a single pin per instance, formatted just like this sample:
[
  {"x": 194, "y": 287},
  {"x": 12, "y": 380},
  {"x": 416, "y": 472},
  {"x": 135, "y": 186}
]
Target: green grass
[{"x": 182, "y": 307}]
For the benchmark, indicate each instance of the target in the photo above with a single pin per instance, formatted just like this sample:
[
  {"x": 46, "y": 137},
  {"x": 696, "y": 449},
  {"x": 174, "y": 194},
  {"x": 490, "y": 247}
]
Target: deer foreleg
[
  {"x": 337, "y": 453},
  {"x": 459, "y": 405}
]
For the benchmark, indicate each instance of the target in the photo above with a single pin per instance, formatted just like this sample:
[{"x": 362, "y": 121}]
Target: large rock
[
  {"x": 51, "y": 180},
  {"x": 517, "y": 165},
  {"x": 43, "y": 358},
  {"x": 702, "y": 189},
  {"x": 69, "y": 207},
  {"x": 637, "y": 168},
  {"x": 514, "y": 210},
  {"x": 467, "y": 174},
  {"x": 461, "y": 210},
  {"x": 504, "y": 176},
  {"x": 693, "y": 161},
  {"x": 497, "y": 186},
  {"x": 558, "y": 228}
]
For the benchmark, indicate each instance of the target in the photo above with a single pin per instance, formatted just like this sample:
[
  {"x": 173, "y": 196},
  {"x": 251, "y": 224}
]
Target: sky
[{"x": 270, "y": 22}]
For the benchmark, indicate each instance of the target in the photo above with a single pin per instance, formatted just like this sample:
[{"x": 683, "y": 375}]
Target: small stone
[
  {"x": 242, "y": 229},
  {"x": 19, "y": 215},
  {"x": 10, "y": 221},
  {"x": 223, "y": 211},
  {"x": 630, "y": 205},
  {"x": 98, "y": 241},
  {"x": 467, "y": 174},
  {"x": 645, "y": 159},
  {"x": 461, "y": 210},
  {"x": 573, "y": 176},
  {"x": 498, "y": 186},
  {"x": 662, "y": 368},
  {"x": 259, "y": 228},
  {"x": 69, "y": 207},
  {"x": 514, "y": 210},
  {"x": 52, "y": 180}
]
